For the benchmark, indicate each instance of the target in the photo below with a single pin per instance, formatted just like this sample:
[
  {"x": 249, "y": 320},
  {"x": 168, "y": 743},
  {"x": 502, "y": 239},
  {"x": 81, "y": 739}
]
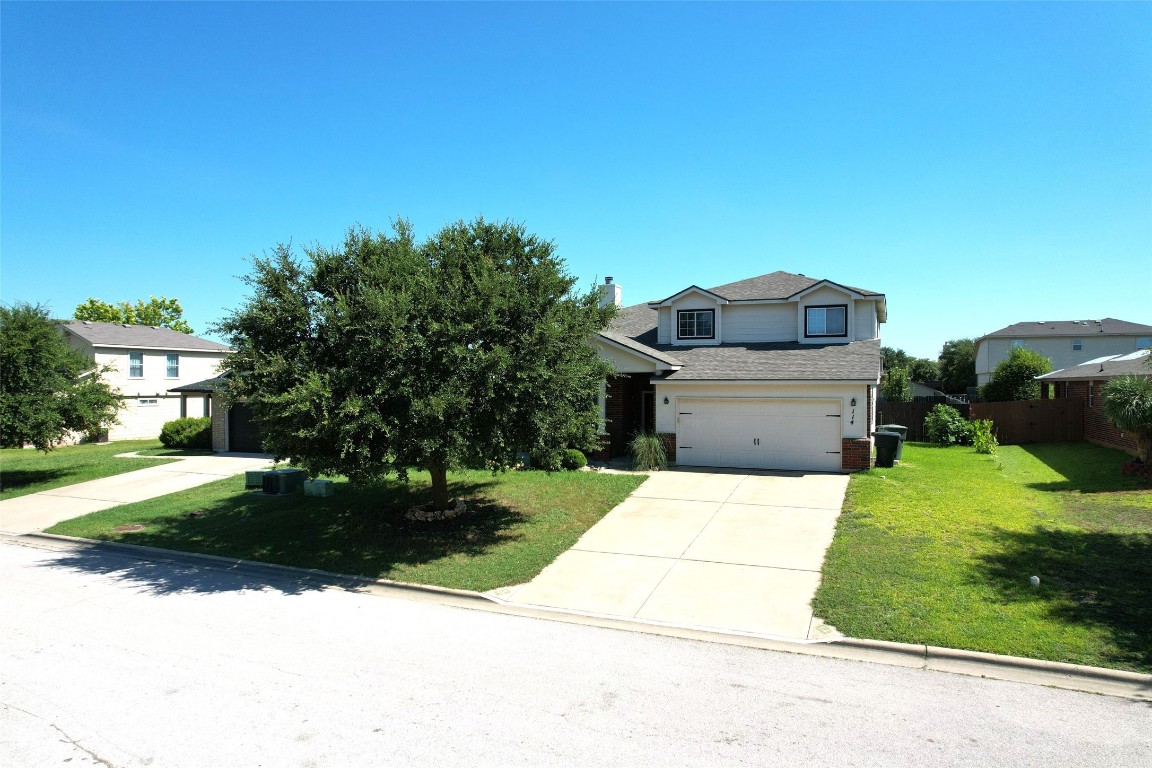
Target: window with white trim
[
  {"x": 135, "y": 365},
  {"x": 695, "y": 324},
  {"x": 173, "y": 368},
  {"x": 826, "y": 320},
  {"x": 148, "y": 401}
]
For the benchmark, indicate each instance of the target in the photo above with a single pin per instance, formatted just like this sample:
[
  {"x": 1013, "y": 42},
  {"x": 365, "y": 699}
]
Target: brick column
[{"x": 855, "y": 454}]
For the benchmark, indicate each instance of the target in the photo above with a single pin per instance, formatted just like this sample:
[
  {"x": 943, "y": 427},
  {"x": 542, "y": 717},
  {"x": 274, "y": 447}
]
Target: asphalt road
[{"x": 113, "y": 661}]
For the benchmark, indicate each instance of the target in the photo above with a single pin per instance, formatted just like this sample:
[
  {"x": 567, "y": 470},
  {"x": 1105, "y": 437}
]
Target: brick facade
[
  {"x": 855, "y": 453},
  {"x": 219, "y": 428},
  {"x": 624, "y": 409},
  {"x": 1097, "y": 428},
  {"x": 669, "y": 440}
]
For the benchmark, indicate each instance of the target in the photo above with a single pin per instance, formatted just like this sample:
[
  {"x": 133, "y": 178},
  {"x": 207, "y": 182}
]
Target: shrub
[
  {"x": 188, "y": 434},
  {"x": 983, "y": 439},
  {"x": 549, "y": 461},
  {"x": 573, "y": 459},
  {"x": 945, "y": 426},
  {"x": 647, "y": 451}
]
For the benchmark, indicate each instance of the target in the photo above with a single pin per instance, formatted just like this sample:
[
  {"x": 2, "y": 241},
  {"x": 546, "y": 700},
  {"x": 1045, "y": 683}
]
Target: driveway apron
[
  {"x": 37, "y": 511},
  {"x": 732, "y": 551}
]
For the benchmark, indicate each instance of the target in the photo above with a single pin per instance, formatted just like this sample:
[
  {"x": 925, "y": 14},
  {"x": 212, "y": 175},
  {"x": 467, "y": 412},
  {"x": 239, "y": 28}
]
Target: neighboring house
[
  {"x": 1085, "y": 381},
  {"x": 1065, "y": 342},
  {"x": 148, "y": 363},
  {"x": 775, "y": 372}
]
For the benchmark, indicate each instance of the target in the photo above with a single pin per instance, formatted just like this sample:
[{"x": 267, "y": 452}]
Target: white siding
[
  {"x": 866, "y": 325},
  {"x": 824, "y": 296},
  {"x": 696, "y": 300},
  {"x": 142, "y": 422},
  {"x": 759, "y": 322},
  {"x": 623, "y": 361},
  {"x": 664, "y": 326}
]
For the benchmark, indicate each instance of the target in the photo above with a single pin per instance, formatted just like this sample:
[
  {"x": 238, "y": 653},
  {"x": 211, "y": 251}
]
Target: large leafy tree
[
  {"x": 923, "y": 370},
  {"x": 47, "y": 389},
  {"x": 1015, "y": 378},
  {"x": 163, "y": 312},
  {"x": 1127, "y": 402},
  {"x": 958, "y": 365},
  {"x": 891, "y": 357},
  {"x": 384, "y": 353}
]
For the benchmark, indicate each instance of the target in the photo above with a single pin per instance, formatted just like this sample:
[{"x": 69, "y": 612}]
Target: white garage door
[{"x": 759, "y": 433}]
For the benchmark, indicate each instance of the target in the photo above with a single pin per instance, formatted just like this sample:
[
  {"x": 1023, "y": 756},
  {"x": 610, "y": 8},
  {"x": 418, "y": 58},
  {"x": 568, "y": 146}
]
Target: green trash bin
[
  {"x": 887, "y": 443},
  {"x": 899, "y": 429}
]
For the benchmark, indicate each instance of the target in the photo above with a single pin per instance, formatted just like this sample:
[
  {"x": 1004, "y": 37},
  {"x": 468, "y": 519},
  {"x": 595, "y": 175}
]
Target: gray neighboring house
[
  {"x": 149, "y": 364},
  {"x": 1065, "y": 342},
  {"x": 778, "y": 371}
]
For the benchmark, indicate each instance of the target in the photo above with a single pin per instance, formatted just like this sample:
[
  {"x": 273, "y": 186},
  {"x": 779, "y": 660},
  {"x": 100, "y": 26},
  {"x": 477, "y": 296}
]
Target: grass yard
[
  {"x": 939, "y": 550},
  {"x": 24, "y": 471},
  {"x": 522, "y": 521}
]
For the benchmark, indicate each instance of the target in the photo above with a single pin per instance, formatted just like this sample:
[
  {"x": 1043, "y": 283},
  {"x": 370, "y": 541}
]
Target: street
[{"x": 113, "y": 661}]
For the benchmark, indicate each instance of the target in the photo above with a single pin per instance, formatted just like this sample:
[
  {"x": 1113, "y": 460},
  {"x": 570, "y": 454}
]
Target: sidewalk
[{"x": 37, "y": 511}]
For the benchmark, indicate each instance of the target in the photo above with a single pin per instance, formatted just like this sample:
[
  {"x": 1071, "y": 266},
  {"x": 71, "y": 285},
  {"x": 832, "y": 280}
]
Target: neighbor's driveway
[
  {"x": 722, "y": 550},
  {"x": 37, "y": 511}
]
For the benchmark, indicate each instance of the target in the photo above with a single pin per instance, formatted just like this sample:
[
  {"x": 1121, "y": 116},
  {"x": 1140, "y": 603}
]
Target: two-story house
[
  {"x": 146, "y": 363},
  {"x": 774, "y": 372},
  {"x": 1065, "y": 342}
]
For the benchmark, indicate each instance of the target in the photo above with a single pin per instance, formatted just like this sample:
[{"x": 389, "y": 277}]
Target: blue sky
[{"x": 981, "y": 164}]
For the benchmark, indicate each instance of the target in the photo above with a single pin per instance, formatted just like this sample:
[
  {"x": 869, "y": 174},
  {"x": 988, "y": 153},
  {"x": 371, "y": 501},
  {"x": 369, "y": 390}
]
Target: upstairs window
[
  {"x": 1077, "y": 345},
  {"x": 831, "y": 320},
  {"x": 135, "y": 365},
  {"x": 1017, "y": 343},
  {"x": 695, "y": 324},
  {"x": 173, "y": 369}
]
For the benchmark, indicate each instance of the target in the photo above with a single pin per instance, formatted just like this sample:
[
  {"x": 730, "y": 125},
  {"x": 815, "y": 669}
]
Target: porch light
[
  {"x": 665, "y": 401},
  {"x": 853, "y": 402}
]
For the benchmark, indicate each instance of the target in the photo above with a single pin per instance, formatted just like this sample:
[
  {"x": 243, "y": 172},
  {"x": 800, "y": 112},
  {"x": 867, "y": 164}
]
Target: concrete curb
[{"x": 1076, "y": 677}]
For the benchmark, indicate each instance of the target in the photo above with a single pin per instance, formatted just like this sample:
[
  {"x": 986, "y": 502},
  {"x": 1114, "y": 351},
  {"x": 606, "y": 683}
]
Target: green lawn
[
  {"x": 522, "y": 521},
  {"x": 939, "y": 550},
  {"x": 23, "y": 470}
]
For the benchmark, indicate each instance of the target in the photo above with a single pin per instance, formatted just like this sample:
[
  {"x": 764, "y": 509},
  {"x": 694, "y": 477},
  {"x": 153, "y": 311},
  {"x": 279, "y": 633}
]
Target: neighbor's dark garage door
[{"x": 243, "y": 435}]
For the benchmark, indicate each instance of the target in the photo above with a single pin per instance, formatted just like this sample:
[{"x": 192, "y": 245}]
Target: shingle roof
[
  {"x": 1104, "y": 368},
  {"x": 139, "y": 337},
  {"x": 639, "y": 347},
  {"x": 1109, "y": 326},
  {"x": 778, "y": 361},
  {"x": 218, "y": 384}
]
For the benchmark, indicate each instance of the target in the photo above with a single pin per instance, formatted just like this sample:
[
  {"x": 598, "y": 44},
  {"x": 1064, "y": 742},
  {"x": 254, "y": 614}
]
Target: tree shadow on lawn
[
  {"x": 359, "y": 532},
  {"x": 15, "y": 479},
  {"x": 1090, "y": 578},
  {"x": 1087, "y": 467}
]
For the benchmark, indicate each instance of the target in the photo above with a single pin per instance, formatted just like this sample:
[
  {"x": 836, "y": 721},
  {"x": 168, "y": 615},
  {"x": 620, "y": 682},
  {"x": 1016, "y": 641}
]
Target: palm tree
[{"x": 1127, "y": 402}]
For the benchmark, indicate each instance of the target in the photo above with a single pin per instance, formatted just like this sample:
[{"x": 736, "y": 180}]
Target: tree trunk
[
  {"x": 440, "y": 498},
  {"x": 1144, "y": 445}
]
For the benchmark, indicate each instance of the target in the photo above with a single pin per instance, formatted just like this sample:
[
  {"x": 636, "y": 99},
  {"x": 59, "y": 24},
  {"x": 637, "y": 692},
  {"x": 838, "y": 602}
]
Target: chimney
[{"x": 609, "y": 293}]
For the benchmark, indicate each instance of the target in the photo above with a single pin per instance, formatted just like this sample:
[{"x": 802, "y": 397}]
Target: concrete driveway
[
  {"x": 37, "y": 511},
  {"x": 720, "y": 550}
]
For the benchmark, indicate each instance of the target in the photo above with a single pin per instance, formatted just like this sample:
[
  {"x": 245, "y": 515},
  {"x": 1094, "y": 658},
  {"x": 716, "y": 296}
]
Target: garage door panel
[{"x": 754, "y": 433}]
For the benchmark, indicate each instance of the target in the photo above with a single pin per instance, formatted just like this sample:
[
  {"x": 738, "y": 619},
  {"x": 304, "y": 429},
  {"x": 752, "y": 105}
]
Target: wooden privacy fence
[
  {"x": 910, "y": 415},
  {"x": 1034, "y": 421}
]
